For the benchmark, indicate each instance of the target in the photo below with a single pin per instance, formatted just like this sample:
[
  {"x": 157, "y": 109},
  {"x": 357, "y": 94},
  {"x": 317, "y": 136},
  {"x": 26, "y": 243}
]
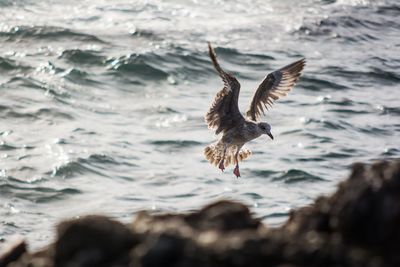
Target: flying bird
[{"x": 225, "y": 117}]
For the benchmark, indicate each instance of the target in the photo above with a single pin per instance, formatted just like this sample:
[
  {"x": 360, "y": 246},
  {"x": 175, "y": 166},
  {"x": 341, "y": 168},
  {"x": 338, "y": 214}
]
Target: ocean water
[{"x": 102, "y": 104}]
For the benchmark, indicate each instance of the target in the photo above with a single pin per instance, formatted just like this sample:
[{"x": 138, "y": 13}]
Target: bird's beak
[{"x": 270, "y": 135}]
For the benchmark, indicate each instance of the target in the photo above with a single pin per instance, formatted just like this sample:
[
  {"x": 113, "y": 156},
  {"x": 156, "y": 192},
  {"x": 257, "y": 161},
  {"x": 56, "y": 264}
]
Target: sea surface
[{"x": 102, "y": 104}]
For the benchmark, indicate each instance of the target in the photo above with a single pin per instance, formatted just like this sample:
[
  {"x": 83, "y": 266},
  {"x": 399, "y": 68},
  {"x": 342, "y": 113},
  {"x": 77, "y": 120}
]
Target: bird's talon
[
  {"x": 221, "y": 166},
  {"x": 236, "y": 171}
]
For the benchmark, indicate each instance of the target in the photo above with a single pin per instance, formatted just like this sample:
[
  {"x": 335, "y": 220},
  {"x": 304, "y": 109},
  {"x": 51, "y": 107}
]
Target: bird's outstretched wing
[
  {"x": 276, "y": 85},
  {"x": 224, "y": 111}
]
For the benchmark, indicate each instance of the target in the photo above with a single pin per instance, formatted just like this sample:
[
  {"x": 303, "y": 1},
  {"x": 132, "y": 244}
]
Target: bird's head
[{"x": 265, "y": 128}]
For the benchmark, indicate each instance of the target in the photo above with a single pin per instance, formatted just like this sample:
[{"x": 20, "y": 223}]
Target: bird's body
[
  {"x": 241, "y": 133},
  {"x": 224, "y": 115}
]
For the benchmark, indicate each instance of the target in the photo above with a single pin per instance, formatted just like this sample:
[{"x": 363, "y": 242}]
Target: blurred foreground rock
[{"x": 359, "y": 225}]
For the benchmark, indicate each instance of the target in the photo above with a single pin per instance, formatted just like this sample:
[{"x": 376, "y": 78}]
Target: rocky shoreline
[{"x": 358, "y": 225}]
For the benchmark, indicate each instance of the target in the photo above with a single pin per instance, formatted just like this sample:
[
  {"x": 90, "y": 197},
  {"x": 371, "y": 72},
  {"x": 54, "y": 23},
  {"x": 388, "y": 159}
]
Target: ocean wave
[
  {"x": 360, "y": 26},
  {"x": 52, "y": 113},
  {"x": 348, "y": 22},
  {"x": 244, "y": 64},
  {"x": 348, "y": 111},
  {"x": 5, "y": 3},
  {"x": 101, "y": 159},
  {"x": 7, "y": 64},
  {"x": 83, "y": 57},
  {"x": 391, "y": 110},
  {"x": 376, "y": 131},
  {"x": 253, "y": 195},
  {"x": 12, "y": 112},
  {"x": 389, "y": 10},
  {"x": 310, "y": 159},
  {"x": 185, "y": 64},
  {"x": 317, "y": 137},
  {"x": 344, "y": 102},
  {"x": 98, "y": 164},
  {"x": 145, "y": 34},
  {"x": 289, "y": 176},
  {"x": 176, "y": 143},
  {"x": 33, "y": 83},
  {"x": 37, "y": 194},
  {"x": 84, "y": 131},
  {"x": 337, "y": 155},
  {"x": 29, "y": 82},
  {"x": 384, "y": 76},
  {"x": 142, "y": 66},
  {"x": 295, "y": 176},
  {"x": 73, "y": 168},
  {"x": 189, "y": 64},
  {"x": 78, "y": 76},
  {"x": 314, "y": 84},
  {"x": 391, "y": 152},
  {"x": 263, "y": 173},
  {"x": 7, "y": 147},
  {"x": 104, "y": 162},
  {"x": 328, "y": 124},
  {"x": 21, "y": 32},
  {"x": 236, "y": 57},
  {"x": 373, "y": 75},
  {"x": 275, "y": 215},
  {"x": 158, "y": 110},
  {"x": 69, "y": 170},
  {"x": 391, "y": 63}
]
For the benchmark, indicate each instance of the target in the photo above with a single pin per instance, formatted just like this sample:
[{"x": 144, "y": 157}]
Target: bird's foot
[
  {"x": 236, "y": 171},
  {"x": 221, "y": 165}
]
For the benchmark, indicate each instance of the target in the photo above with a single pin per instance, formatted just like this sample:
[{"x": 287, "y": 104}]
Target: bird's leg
[
  {"x": 221, "y": 165},
  {"x": 222, "y": 162},
  {"x": 236, "y": 170}
]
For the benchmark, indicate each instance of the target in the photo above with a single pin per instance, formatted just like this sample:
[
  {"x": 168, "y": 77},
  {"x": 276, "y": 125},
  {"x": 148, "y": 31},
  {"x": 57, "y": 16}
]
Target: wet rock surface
[
  {"x": 356, "y": 226},
  {"x": 93, "y": 241},
  {"x": 12, "y": 251}
]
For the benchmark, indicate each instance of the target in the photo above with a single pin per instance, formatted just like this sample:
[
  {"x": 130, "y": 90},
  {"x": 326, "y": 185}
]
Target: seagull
[{"x": 225, "y": 117}]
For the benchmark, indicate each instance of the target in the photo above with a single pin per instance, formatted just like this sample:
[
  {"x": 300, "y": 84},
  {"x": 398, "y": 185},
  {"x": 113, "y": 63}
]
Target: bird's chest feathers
[
  {"x": 251, "y": 132},
  {"x": 243, "y": 134}
]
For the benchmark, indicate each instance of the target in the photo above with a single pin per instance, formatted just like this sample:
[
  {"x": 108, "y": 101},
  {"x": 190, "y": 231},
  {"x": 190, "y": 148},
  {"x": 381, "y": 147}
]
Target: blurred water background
[{"x": 102, "y": 104}]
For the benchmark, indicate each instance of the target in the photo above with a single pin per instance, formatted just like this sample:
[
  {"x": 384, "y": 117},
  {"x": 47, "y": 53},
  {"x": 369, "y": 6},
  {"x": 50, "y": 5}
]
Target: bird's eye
[{"x": 262, "y": 127}]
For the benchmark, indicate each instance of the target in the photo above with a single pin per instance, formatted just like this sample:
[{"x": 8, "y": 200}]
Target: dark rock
[
  {"x": 223, "y": 216},
  {"x": 92, "y": 241},
  {"x": 12, "y": 252},
  {"x": 364, "y": 212},
  {"x": 165, "y": 250},
  {"x": 356, "y": 226},
  {"x": 183, "y": 240}
]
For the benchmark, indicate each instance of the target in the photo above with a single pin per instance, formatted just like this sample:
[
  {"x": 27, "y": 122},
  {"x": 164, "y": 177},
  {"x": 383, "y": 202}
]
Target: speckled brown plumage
[{"x": 225, "y": 117}]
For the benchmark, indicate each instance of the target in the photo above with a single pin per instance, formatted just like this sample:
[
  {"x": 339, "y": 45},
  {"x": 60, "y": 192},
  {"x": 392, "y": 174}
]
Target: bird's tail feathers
[{"x": 214, "y": 153}]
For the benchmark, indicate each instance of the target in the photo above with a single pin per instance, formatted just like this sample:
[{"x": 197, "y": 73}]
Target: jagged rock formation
[{"x": 357, "y": 226}]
